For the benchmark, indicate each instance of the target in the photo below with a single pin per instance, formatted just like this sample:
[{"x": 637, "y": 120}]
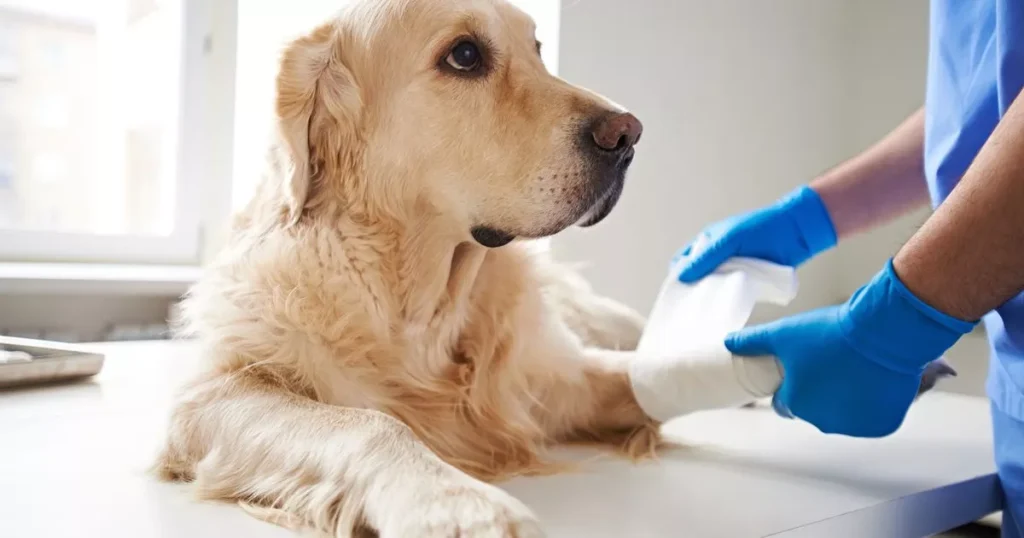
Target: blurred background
[{"x": 130, "y": 129}]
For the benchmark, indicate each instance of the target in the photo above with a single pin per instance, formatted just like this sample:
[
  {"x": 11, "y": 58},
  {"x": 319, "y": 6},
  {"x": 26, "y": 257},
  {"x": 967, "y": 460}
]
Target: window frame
[{"x": 203, "y": 159}]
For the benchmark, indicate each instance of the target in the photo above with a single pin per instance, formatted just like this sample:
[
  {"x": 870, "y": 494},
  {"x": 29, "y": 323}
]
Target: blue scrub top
[{"x": 975, "y": 70}]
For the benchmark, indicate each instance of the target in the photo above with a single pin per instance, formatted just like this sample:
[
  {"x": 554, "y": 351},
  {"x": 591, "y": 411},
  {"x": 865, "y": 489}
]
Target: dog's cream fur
[{"x": 370, "y": 365}]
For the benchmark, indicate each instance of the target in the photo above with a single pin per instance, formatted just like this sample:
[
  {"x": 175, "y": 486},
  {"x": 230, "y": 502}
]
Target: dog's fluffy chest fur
[{"x": 437, "y": 343}]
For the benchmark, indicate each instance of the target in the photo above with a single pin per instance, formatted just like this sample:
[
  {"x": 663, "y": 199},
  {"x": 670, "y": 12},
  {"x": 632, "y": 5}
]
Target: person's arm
[
  {"x": 884, "y": 182},
  {"x": 968, "y": 258},
  {"x": 855, "y": 368}
]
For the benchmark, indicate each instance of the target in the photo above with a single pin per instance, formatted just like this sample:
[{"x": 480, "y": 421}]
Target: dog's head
[{"x": 397, "y": 102}]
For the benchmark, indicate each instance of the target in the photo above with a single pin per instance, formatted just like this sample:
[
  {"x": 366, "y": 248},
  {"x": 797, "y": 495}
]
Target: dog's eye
[{"x": 464, "y": 56}]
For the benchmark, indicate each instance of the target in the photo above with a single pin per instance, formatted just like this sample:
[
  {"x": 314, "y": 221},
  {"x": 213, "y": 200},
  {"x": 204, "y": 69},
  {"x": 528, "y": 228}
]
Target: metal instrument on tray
[{"x": 25, "y": 361}]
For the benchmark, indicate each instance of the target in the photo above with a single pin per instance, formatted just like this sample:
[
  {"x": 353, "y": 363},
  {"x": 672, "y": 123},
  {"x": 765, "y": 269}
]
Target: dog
[{"x": 380, "y": 340}]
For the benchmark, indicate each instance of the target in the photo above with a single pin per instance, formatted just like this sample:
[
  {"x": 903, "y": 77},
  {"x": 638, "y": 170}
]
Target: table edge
[{"x": 912, "y": 516}]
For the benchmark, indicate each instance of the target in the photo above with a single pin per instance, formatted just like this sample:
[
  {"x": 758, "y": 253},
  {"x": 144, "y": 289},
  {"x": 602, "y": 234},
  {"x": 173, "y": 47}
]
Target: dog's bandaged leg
[{"x": 682, "y": 364}]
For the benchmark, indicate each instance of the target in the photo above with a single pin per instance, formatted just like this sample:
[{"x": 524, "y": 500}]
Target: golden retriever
[{"x": 379, "y": 340}]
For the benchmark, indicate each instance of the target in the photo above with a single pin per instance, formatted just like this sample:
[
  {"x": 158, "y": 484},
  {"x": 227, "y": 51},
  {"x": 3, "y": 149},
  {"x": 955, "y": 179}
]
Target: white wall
[
  {"x": 887, "y": 50},
  {"x": 740, "y": 101}
]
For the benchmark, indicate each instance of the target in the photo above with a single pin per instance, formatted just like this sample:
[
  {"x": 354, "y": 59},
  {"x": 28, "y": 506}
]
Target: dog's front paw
[
  {"x": 464, "y": 511},
  {"x": 607, "y": 324}
]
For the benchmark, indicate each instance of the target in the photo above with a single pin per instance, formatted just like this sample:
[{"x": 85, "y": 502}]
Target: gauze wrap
[{"x": 682, "y": 364}]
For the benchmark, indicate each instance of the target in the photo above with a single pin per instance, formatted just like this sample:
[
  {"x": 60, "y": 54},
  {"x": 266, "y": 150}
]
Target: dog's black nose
[{"x": 617, "y": 132}]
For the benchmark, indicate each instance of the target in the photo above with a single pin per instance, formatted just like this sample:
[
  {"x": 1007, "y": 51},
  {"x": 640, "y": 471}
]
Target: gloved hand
[
  {"x": 788, "y": 232},
  {"x": 855, "y": 368}
]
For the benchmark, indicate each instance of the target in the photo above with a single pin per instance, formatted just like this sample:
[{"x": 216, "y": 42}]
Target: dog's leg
[
  {"x": 302, "y": 463},
  {"x": 594, "y": 403},
  {"x": 602, "y": 322},
  {"x": 598, "y": 321}
]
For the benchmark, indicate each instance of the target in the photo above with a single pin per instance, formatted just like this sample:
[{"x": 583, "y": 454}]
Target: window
[
  {"x": 138, "y": 9},
  {"x": 265, "y": 27},
  {"x": 8, "y": 202},
  {"x": 52, "y": 111},
  {"x": 102, "y": 93},
  {"x": 54, "y": 54},
  {"x": 6, "y": 173},
  {"x": 8, "y": 51}
]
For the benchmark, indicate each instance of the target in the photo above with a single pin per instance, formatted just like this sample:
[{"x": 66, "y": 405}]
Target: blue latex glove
[
  {"x": 854, "y": 369},
  {"x": 788, "y": 232}
]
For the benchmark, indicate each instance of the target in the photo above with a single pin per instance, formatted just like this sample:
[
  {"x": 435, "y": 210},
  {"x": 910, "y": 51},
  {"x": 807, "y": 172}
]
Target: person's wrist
[
  {"x": 888, "y": 324},
  {"x": 811, "y": 218}
]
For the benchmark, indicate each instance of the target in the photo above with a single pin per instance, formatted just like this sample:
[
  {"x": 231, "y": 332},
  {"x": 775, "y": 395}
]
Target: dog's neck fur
[
  {"x": 437, "y": 261},
  {"x": 436, "y": 276},
  {"x": 429, "y": 259},
  {"x": 435, "y": 265},
  {"x": 438, "y": 279}
]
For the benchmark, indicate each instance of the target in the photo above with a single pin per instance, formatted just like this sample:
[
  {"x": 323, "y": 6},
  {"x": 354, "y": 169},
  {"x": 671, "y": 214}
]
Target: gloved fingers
[
  {"x": 752, "y": 341},
  {"x": 699, "y": 243},
  {"x": 780, "y": 408},
  {"x": 680, "y": 254},
  {"x": 934, "y": 372},
  {"x": 704, "y": 256},
  {"x": 941, "y": 367}
]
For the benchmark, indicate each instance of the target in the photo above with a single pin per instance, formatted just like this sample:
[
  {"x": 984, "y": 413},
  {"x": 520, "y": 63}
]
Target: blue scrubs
[{"x": 975, "y": 70}]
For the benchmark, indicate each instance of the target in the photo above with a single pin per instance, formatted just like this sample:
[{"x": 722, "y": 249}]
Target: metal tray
[{"x": 41, "y": 361}]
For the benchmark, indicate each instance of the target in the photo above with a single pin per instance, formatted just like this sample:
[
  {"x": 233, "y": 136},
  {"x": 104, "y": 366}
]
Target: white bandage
[{"x": 682, "y": 364}]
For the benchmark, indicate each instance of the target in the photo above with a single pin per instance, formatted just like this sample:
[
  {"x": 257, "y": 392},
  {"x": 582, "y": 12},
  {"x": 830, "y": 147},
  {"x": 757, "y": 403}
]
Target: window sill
[{"x": 96, "y": 279}]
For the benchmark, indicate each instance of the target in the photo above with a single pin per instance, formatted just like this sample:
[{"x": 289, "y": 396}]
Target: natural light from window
[{"x": 89, "y": 116}]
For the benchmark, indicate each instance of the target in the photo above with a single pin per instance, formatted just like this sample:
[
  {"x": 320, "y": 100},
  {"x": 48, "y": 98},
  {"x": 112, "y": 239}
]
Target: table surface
[{"x": 73, "y": 462}]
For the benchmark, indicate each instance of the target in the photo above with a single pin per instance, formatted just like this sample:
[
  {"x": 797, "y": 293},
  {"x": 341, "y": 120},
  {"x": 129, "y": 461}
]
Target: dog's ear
[{"x": 317, "y": 108}]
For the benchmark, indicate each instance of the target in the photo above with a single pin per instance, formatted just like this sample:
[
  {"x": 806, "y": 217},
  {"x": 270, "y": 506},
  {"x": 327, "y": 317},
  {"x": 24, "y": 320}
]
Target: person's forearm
[
  {"x": 882, "y": 183},
  {"x": 968, "y": 258}
]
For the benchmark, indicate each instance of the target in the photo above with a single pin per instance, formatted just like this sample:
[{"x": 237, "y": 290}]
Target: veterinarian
[{"x": 854, "y": 368}]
